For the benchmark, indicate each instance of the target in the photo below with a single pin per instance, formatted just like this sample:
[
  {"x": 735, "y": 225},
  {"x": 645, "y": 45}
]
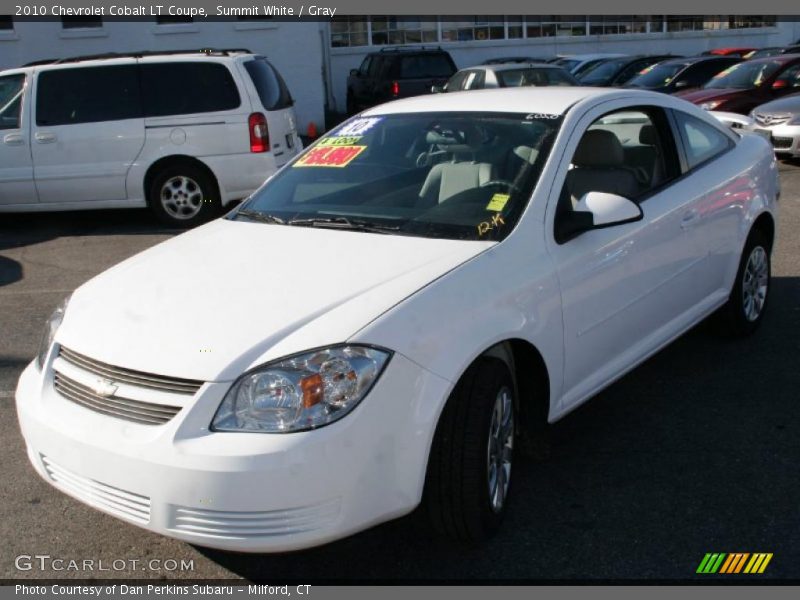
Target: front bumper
[
  {"x": 785, "y": 138},
  {"x": 240, "y": 491}
]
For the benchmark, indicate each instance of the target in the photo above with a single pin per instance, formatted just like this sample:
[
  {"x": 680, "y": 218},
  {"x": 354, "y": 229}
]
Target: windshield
[
  {"x": 603, "y": 71},
  {"x": 744, "y": 75},
  {"x": 543, "y": 76},
  {"x": 567, "y": 63},
  {"x": 464, "y": 176},
  {"x": 656, "y": 75}
]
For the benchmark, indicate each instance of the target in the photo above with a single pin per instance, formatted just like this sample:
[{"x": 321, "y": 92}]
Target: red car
[
  {"x": 743, "y": 86},
  {"x": 730, "y": 51}
]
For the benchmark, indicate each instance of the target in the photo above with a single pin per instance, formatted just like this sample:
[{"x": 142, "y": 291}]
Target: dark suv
[{"x": 395, "y": 73}]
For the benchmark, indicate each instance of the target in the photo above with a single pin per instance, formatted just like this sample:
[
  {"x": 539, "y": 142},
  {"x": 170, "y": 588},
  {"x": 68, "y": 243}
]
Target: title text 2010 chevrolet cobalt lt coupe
[{"x": 385, "y": 320}]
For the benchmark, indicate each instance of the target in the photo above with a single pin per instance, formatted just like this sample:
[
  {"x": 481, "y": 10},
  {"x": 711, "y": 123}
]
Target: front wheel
[
  {"x": 469, "y": 470},
  {"x": 745, "y": 309}
]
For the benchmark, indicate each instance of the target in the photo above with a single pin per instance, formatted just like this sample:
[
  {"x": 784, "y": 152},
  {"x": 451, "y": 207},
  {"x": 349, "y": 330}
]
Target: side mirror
[
  {"x": 437, "y": 89},
  {"x": 609, "y": 209},
  {"x": 354, "y": 72}
]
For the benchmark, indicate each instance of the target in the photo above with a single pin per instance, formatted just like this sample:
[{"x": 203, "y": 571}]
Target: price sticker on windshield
[
  {"x": 330, "y": 156},
  {"x": 498, "y": 202}
]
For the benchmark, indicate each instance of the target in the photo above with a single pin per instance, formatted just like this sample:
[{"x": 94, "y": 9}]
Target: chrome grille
[
  {"x": 121, "y": 503},
  {"x": 137, "y": 378},
  {"x": 124, "y": 408}
]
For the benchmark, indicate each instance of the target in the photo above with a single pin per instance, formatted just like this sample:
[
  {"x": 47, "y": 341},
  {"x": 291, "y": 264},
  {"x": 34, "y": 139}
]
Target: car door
[
  {"x": 16, "y": 165},
  {"x": 88, "y": 129},
  {"x": 626, "y": 289},
  {"x": 714, "y": 225},
  {"x": 358, "y": 80}
]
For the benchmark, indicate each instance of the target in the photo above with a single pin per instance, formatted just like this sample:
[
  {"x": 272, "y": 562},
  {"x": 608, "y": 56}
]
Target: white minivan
[{"x": 183, "y": 133}]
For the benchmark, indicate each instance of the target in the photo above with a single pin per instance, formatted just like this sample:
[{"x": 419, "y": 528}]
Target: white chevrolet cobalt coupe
[{"x": 385, "y": 320}]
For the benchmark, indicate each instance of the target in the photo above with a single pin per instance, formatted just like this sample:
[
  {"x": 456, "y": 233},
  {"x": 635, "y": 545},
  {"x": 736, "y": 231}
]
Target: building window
[
  {"x": 476, "y": 28},
  {"x": 81, "y": 22},
  {"x": 555, "y": 25},
  {"x": 173, "y": 20},
  {"x": 6, "y": 23},
  {"x": 349, "y": 31},
  {"x": 402, "y": 30},
  {"x": 381, "y": 30}
]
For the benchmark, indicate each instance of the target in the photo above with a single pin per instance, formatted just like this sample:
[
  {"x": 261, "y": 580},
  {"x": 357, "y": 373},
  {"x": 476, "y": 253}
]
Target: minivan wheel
[
  {"x": 183, "y": 196},
  {"x": 743, "y": 312},
  {"x": 469, "y": 470}
]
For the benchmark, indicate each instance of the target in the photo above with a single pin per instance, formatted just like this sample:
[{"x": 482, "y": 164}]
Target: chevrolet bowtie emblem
[{"x": 104, "y": 388}]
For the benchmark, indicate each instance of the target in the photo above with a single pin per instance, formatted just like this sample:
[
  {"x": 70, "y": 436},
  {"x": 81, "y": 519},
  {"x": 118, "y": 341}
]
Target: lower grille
[
  {"x": 782, "y": 142},
  {"x": 243, "y": 525},
  {"x": 126, "y": 505},
  {"x": 123, "y": 408}
]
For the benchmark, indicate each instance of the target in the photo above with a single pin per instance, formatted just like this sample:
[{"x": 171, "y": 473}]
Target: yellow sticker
[
  {"x": 498, "y": 202},
  {"x": 340, "y": 140},
  {"x": 329, "y": 156}
]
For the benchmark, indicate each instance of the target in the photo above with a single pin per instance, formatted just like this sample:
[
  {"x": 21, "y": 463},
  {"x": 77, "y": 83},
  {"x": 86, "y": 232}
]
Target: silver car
[{"x": 779, "y": 120}]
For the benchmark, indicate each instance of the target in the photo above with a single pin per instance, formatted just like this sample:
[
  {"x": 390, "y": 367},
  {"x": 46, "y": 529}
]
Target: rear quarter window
[
  {"x": 187, "y": 88},
  {"x": 88, "y": 95},
  {"x": 423, "y": 66},
  {"x": 271, "y": 88}
]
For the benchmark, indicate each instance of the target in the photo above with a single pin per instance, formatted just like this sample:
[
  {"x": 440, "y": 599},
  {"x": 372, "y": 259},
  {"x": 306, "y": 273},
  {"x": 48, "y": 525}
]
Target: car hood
[
  {"x": 704, "y": 95},
  {"x": 786, "y": 105},
  {"x": 215, "y": 301}
]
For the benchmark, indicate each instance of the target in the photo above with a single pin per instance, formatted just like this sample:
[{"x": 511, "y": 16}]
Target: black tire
[
  {"x": 457, "y": 484},
  {"x": 195, "y": 184},
  {"x": 736, "y": 318}
]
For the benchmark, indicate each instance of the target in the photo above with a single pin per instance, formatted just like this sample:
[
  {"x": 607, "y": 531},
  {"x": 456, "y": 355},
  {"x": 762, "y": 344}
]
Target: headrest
[
  {"x": 647, "y": 135},
  {"x": 460, "y": 140},
  {"x": 599, "y": 148}
]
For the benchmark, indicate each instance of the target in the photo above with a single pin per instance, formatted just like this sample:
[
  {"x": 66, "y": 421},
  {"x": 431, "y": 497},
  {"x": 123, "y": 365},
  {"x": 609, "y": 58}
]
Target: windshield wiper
[
  {"x": 255, "y": 215},
  {"x": 344, "y": 223}
]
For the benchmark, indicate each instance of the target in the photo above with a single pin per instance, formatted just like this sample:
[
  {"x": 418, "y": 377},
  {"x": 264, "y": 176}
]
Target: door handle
[
  {"x": 45, "y": 138},
  {"x": 689, "y": 219},
  {"x": 13, "y": 139}
]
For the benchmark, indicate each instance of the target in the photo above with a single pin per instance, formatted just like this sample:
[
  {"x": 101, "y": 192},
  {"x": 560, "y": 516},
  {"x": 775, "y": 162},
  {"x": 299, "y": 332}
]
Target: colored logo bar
[{"x": 735, "y": 562}]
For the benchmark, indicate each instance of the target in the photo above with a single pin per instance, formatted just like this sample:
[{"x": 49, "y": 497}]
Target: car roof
[
  {"x": 780, "y": 58},
  {"x": 690, "y": 60},
  {"x": 515, "y": 65},
  {"x": 552, "y": 100},
  {"x": 593, "y": 55}
]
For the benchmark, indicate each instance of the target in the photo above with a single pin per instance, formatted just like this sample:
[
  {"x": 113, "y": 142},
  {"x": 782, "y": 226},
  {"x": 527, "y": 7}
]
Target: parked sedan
[
  {"x": 779, "y": 121},
  {"x": 507, "y": 75},
  {"x": 390, "y": 314},
  {"x": 677, "y": 74},
  {"x": 618, "y": 71},
  {"x": 743, "y": 86},
  {"x": 578, "y": 63}
]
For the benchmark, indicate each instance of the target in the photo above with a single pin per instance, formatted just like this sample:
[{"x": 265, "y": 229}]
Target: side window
[
  {"x": 364, "y": 68},
  {"x": 187, "y": 88},
  {"x": 375, "y": 66},
  {"x": 629, "y": 153},
  {"x": 456, "y": 82},
  {"x": 702, "y": 141},
  {"x": 790, "y": 77},
  {"x": 272, "y": 90},
  {"x": 87, "y": 95},
  {"x": 473, "y": 81},
  {"x": 11, "y": 88}
]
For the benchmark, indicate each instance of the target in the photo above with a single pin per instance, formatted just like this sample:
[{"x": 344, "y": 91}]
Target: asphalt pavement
[{"x": 695, "y": 451}]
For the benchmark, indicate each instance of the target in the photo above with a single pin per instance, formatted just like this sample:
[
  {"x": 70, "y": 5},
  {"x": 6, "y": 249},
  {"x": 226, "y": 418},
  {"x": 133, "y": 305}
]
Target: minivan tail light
[
  {"x": 395, "y": 88},
  {"x": 259, "y": 133}
]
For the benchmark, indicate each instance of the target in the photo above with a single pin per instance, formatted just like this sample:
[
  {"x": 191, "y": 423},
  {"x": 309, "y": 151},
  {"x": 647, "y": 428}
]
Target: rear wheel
[
  {"x": 469, "y": 471},
  {"x": 183, "y": 195},
  {"x": 745, "y": 309}
]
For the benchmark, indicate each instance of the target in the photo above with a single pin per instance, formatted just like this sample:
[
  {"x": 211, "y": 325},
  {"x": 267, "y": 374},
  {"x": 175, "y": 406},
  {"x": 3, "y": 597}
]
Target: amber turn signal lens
[{"x": 313, "y": 390}]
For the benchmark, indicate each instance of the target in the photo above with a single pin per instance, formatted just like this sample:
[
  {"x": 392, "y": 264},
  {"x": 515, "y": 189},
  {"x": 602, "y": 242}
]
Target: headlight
[
  {"x": 710, "y": 105},
  {"x": 301, "y": 392},
  {"x": 50, "y": 327}
]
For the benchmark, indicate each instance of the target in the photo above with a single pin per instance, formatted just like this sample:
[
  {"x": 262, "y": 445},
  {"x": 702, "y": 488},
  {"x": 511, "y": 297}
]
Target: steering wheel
[{"x": 504, "y": 182}]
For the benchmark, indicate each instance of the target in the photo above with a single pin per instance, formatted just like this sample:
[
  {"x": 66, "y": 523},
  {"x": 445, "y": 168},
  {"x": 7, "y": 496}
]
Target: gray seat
[
  {"x": 445, "y": 180},
  {"x": 598, "y": 166}
]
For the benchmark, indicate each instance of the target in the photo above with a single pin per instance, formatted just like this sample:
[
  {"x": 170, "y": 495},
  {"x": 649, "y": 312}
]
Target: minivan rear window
[
  {"x": 87, "y": 95},
  {"x": 269, "y": 84},
  {"x": 424, "y": 66},
  {"x": 176, "y": 88}
]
